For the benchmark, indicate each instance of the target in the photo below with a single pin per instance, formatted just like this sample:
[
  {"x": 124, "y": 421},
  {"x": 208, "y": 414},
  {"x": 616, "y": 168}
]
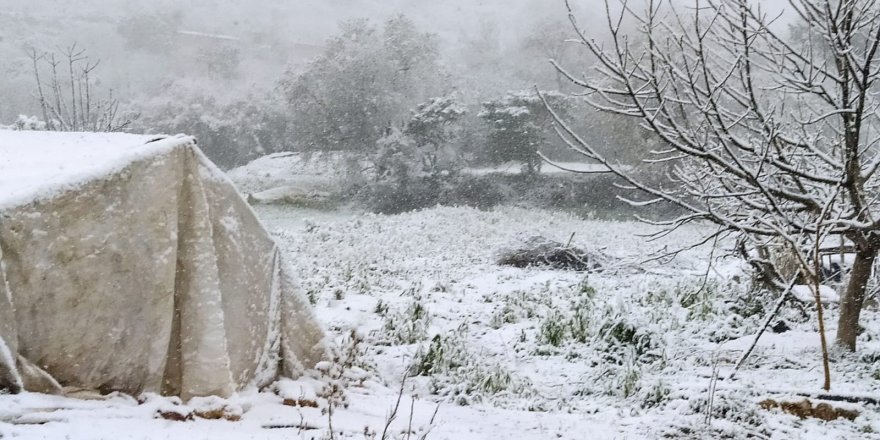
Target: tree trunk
[{"x": 854, "y": 297}]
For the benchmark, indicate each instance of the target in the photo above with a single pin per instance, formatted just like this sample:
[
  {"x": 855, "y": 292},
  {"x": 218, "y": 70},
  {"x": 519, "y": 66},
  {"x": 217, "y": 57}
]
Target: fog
[
  {"x": 96, "y": 25},
  {"x": 243, "y": 218},
  {"x": 193, "y": 58},
  {"x": 270, "y": 35}
]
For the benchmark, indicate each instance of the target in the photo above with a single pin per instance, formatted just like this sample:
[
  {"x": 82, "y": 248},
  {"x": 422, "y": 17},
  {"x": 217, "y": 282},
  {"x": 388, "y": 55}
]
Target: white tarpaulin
[{"x": 132, "y": 264}]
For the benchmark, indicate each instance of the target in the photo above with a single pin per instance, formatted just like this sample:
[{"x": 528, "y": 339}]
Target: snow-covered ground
[
  {"x": 513, "y": 168},
  {"x": 626, "y": 352},
  {"x": 646, "y": 384},
  {"x": 306, "y": 171}
]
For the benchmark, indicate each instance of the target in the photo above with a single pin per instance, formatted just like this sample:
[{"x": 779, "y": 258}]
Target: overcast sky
[
  {"x": 316, "y": 19},
  {"x": 451, "y": 18}
]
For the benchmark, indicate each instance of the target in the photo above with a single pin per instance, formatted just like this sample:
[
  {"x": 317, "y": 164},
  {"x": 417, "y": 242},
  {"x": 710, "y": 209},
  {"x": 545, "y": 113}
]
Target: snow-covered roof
[{"x": 35, "y": 165}]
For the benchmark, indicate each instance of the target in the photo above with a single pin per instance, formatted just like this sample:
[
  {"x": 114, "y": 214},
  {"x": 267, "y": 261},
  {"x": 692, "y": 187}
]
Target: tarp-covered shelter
[{"x": 130, "y": 263}]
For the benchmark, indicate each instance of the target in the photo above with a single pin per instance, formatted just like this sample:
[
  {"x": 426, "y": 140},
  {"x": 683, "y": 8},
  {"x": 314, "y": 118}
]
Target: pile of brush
[{"x": 538, "y": 251}]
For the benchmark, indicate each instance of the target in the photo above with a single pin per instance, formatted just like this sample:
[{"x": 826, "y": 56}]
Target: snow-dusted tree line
[
  {"x": 390, "y": 95},
  {"x": 251, "y": 90}
]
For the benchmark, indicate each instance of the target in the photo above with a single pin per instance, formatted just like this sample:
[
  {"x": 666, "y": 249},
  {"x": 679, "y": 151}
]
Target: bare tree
[
  {"x": 65, "y": 89},
  {"x": 770, "y": 137}
]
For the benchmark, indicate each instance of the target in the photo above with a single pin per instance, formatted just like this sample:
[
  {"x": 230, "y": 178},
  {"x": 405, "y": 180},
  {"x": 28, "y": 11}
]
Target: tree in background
[
  {"x": 230, "y": 132},
  {"x": 770, "y": 138},
  {"x": 433, "y": 129},
  {"x": 68, "y": 96},
  {"x": 520, "y": 126},
  {"x": 425, "y": 147},
  {"x": 365, "y": 80}
]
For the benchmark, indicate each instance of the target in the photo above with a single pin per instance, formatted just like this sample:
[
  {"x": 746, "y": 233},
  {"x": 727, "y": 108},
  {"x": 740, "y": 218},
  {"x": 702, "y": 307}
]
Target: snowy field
[{"x": 634, "y": 350}]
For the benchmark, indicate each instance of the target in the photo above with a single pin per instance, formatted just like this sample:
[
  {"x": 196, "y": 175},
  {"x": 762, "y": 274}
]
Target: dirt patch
[
  {"x": 175, "y": 416},
  {"x": 218, "y": 414},
  {"x": 804, "y": 409},
  {"x": 303, "y": 403}
]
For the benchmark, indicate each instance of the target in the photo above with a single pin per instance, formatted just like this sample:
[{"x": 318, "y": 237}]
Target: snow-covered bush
[
  {"x": 579, "y": 322},
  {"x": 407, "y": 326},
  {"x": 655, "y": 394},
  {"x": 553, "y": 330},
  {"x": 416, "y": 166},
  {"x": 433, "y": 128},
  {"x": 25, "y": 122},
  {"x": 519, "y": 126},
  {"x": 460, "y": 375},
  {"x": 618, "y": 330},
  {"x": 737, "y": 408},
  {"x": 723, "y": 310},
  {"x": 625, "y": 379},
  {"x": 514, "y": 307},
  {"x": 612, "y": 327}
]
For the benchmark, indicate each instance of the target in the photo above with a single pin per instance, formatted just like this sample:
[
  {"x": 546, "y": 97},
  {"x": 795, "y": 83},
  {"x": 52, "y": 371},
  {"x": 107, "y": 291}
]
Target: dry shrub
[{"x": 539, "y": 251}]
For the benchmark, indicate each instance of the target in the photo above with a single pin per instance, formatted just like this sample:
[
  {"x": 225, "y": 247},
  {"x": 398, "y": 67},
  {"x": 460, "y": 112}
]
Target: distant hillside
[{"x": 262, "y": 37}]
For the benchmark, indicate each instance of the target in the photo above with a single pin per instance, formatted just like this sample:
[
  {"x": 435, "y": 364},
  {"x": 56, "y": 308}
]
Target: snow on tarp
[
  {"x": 130, "y": 263},
  {"x": 35, "y": 165}
]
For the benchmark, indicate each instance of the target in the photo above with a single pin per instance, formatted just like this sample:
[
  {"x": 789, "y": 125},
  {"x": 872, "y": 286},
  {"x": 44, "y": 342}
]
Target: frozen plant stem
[
  {"x": 713, "y": 384},
  {"x": 817, "y": 269},
  {"x": 394, "y": 410},
  {"x": 412, "y": 407}
]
